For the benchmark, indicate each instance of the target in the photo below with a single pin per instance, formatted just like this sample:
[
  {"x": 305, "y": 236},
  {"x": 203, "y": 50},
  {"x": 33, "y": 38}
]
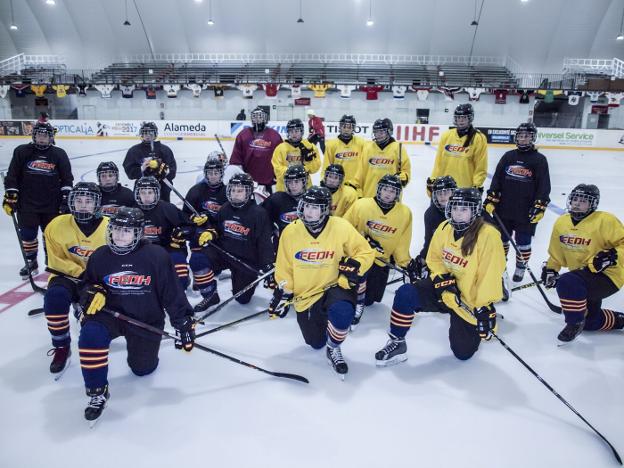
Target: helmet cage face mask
[
  {"x": 141, "y": 191},
  {"x": 306, "y": 211},
  {"x": 576, "y": 199},
  {"x": 42, "y": 136},
  {"x": 115, "y": 232},
  {"x": 233, "y": 191},
  {"x": 84, "y": 205},
  {"x": 454, "y": 209},
  {"x": 259, "y": 119},
  {"x": 111, "y": 179},
  {"x": 379, "y": 196},
  {"x": 445, "y": 193}
]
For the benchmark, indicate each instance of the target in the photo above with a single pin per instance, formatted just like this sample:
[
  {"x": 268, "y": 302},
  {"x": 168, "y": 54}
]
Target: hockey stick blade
[{"x": 35, "y": 312}]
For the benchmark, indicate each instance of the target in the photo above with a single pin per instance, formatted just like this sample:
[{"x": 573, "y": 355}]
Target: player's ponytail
[{"x": 471, "y": 235}]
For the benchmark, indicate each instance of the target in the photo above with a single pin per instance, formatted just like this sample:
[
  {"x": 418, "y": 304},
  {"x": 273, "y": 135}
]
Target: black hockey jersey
[
  {"x": 160, "y": 221},
  {"x": 39, "y": 176},
  {"x": 433, "y": 218},
  {"x": 142, "y": 284},
  {"x": 137, "y": 154},
  {"x": 282, "y": 209},
  {"x": 115, "y": 199},
  {"x": 206, "y": 200}
]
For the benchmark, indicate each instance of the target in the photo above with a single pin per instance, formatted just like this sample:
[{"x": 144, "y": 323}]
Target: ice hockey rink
[{"x": 433, "y": 410}]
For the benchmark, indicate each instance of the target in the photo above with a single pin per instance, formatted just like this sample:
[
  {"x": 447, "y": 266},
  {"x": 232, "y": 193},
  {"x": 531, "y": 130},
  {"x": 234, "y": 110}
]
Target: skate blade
[
  {"x": 342, "y": 376},
  {"x": 391, "y": 362},
  {"x": 95, "y": 421},
  {"x": 58, "y": 375}
]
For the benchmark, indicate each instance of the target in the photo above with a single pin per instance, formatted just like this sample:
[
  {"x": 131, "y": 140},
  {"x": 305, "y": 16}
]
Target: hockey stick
[
  {"x": 220, "y": 306},
  {"x": 524, "y": 286},
  {"x": 550, "y": 305},
  {"x": 180, "y": 196},
  {"x": 33, "y": 285},
  {"x": 548, "y": 386},
  {"x": 220, "y": 145},
  {"x": 233, "y": 257},
  {"x": 158, "y": 331},
  {"x": 399, "y": 160}
]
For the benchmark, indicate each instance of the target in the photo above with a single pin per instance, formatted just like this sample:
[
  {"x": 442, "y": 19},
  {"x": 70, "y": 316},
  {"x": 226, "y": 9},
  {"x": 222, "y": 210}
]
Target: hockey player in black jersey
[
  {"x": 37, "y": 186},
  {"x": 114, "y": 195},
  {"x": 441, "y": 190},
  {"x": 243, "y": 229},
  {"x": 519, "y": 193},
  {"x": 165, "y": 225},
  {"x": 151, "y": 158},
  {"x": 282, "y": 206},
  {"x": 136, "y": 279}
]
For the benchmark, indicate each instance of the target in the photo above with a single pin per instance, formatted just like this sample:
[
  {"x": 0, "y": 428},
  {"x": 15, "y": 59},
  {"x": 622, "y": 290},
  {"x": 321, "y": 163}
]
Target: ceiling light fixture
[
  {"x": 369, "y": 21},
  {"x": 620, "y": 36},
  {"x": 126, "y": 23},
  {"x": 13, "y": 26},
  {"x": 300, "y": 20},
  {"x": 50, "y": 2},
  {"x": 210, "y": 20}
]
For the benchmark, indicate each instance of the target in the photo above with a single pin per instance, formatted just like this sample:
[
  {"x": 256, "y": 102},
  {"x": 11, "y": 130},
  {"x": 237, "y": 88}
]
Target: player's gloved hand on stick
[
  {"x": 603, "y": 260},
  {"x": 491, "y": 200},
  {"x": 430, "y": 186},
  {"x": 64, "y": 206},
  {"x": 486, "y": 321},
  {"x": 206, "y": 236},
  {"x": 280, "y": 303},
  {"x": 348, "y": 273},
  {"x": 403, "y": 178},
  {"x": 199, "y": 220},
  {"x": 93, "y": 299},
  {"x": 269, "y": 282},
  {"x": 185, "y": 335},
  {"x": 156, "y": 168},
  {"x": 9, "y": 204},
  {"x": 307, "y": 154},
  {"x": 417, "y": 269},
  {"x": 549, "y": 277},
  {"x": 536, "y": 212},
  {"x": 179, "y": 236}
]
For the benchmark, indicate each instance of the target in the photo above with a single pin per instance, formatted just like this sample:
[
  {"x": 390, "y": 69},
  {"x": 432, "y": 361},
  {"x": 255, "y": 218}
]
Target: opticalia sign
[{"x": 563, "y": 137}]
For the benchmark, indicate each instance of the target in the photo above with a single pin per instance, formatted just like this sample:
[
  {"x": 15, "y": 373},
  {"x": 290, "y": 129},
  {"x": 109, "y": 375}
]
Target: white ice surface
[{"x": 433, "y": 410}]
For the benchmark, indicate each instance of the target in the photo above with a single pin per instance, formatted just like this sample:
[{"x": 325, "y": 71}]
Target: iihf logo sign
[{"x": 127, "y": 280}]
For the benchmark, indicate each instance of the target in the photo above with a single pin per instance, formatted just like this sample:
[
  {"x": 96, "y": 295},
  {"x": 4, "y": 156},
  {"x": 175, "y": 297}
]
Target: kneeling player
[
  {"x": 387, "y": 225},
  {"x": 343, "y": 196},
  {"x": 315, "y": 252},
  {"x": 114, "y": 195},
  {"x": 70, "y": 240},
  {"x": 466, "y": 260},
  {"x": 590, "y": 244},
  {"x": 136, "y": 279}
]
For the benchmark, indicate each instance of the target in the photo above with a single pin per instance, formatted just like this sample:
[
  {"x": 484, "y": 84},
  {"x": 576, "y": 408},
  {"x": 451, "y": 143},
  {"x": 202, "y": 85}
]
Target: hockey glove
[
  {"x": 536, "y": 212},
  {"x": 348, "y": 273},
  {"x": 93, "y": 299},
  {"x": 185, "y": 335},
  {"x": 206, "y": 236},
  {"x": 491, "y": 200},
  {"x": 444, "y": 282},
  {"x": 269, "y": 281},
  {"x": 549, "y": 277},
  {"x": 403, "y": 177},
  {"x": 417, "y": 269},
  {"x": 486, "y": 321},
  {"x": 9, "y": 204},
  {"x": 375, "y": 245},
  {"x": 280, "y": 304},
  {"x": 430, "y": 186},
  {"x": 64, "y": 206},
  {"x": 307, "y": 154},
  {"x": 156, "y": 168},
  {"x": 603, "y": 260},
  {"x": 199, "y": 220},
  {"x": 179, "y": 236}
]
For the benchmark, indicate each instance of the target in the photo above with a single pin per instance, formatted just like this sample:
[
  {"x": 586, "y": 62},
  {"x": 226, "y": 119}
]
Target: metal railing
[{"x": 612, "y": 67}]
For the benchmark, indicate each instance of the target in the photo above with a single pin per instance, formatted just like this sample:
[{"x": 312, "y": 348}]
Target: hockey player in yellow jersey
[
  {"x": 70, "y": 241},
  {"x": 387, "y": 225},
  {"x": 343, "y": 196},
  {"x": 381, "y": 157},
  {"x": 590, "y": 244},
  {"x": 462, "y": 152},
  {"x": 466, "y": 260},
  {"x": 345, "y": 150},
  {"x": 316, "y": 252},
  {"x": 295, "y": 150}
]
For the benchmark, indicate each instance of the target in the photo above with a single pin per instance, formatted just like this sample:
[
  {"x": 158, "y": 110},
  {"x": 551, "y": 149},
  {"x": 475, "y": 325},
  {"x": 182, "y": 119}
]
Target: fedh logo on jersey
[
  {"x": 211, "y": 206},
  {"x": 259, "y": 143},
  {"x": 519, "y": 172},
  {"x": 380, "y": 161},
  {"x": 41, "y": 166},
  {"x": 314, "y": 256},
  {"x": 378, "y": 227},
  {"x": 451, "y": 259},
  {"x": 346, "y": 155},
  {"x": 288, "y": 217},
  {"x": 152, "y": 233},
  {"x": 127, "y": 280},
  {"x": 574, "y": 242},
  {"x": 80, "y": 251},
  {"x": 235, "y": 229},
  {"x": 109, "y": 210},
  {"x": 455, "y": 150},
  {"x": 293, "y": 159}
]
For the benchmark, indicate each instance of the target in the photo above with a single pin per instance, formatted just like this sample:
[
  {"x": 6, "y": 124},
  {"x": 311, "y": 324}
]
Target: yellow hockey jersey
[
  {"x": 286, "y": 155},
  {"x": 307, "y": 264},
  {"x": 376, "y": 163},
  {"x": 342, "y": 199},
  {"x": 68, "y": 248},
  {"x": 393, "y": 230},
  {"x": 468, "y": 166},
  {"x": 347, "y": 155},
  {"x": 573, "y": 247},
  {"x": 479, "y": 274}
]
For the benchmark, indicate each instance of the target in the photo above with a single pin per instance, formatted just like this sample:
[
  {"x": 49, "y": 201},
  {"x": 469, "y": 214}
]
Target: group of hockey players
[{"x": 324, "y": 250}]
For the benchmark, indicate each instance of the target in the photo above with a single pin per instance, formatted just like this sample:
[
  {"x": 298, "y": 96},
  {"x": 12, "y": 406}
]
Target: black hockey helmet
[
  {"x": 43, "y": 128},
  {"x": 382, "y": 130},
  {"x": 126, "y": 221},
  {"x": 346, "y": 125},
  {"x": 319, "y": 197},
  {"x": 338, "y": 171},
  {"x": 526, "y": 128},
  {"x": 442, "y": 184},
  {"x": 294, "y": 130},
  {"x": 213, "y": 167},
  {"x": 85, "y": 201},
  {"x": 464, "y": 198},
  {"x": 107, "y": 167},
  {"x": 390, "y": 181},
  {"x": 296, "y": 172},
  {"x": 148, "y": 129},
  {"x": 581, "y": 193},
  {"x": 142, "y": 187},
  {"x": 463, "y": 110},
  {"x": 241, "y": 179},
  {"x": 259, "y": 119}
]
